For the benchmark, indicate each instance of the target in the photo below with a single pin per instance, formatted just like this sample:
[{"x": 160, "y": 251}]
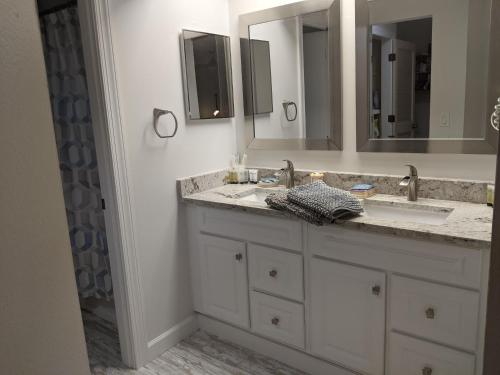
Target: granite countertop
[{"x": 468, "y": 224}]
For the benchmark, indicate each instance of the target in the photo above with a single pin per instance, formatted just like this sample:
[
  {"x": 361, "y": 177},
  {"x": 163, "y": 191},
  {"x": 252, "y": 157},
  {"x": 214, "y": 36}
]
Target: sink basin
[
  {"x": 258, "y": 195},
  {"x": 376, "y": 209},
  {"x": 414, "y": 213}
]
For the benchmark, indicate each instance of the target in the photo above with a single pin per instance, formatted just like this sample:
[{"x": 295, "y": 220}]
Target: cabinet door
[
  {"x": 223, "y": 267},
  {"x": 348, "y": 315}
]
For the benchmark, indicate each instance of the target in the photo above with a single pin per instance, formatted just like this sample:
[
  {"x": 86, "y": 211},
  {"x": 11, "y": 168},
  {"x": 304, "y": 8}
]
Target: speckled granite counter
[
  {"x": 468, "y": 224},
  {"x": 428, "y": 187}
]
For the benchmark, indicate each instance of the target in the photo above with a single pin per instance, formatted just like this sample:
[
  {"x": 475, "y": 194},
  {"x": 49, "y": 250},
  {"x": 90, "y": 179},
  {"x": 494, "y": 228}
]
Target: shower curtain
[{"x": 77, "y": 156}]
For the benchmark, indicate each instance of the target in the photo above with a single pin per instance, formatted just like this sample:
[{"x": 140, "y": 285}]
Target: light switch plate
[{"x": 445, "y": 120}]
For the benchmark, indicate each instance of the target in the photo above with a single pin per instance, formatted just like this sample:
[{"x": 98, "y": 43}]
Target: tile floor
[{"x": 199, "y": 354}]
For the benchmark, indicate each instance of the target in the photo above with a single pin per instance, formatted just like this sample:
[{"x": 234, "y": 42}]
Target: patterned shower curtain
[{"x": 77, "y": 156}]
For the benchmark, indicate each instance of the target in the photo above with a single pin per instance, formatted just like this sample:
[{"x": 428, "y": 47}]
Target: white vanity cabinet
[{"x": 349, "y": 301}]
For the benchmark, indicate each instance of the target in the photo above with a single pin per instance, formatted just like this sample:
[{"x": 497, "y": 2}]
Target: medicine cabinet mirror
[
  {"x": 291, "y": 62},
  {"x": 422, "y": 73},
  {"x": 208, "y": 89}
]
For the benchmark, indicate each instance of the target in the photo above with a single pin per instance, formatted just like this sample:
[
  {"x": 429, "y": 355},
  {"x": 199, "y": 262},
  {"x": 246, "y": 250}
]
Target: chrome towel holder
[
  {"x": 286, "y": 104},
  {"x": 156, "y": 115},
  {"x": 495, "y": 116}
]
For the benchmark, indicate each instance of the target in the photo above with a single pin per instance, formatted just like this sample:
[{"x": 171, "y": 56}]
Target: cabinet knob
[
  {"x": 239, "y": 257},
  {"x": 427, "y": 370},
  {"x": 273, "y": 273},
  {"x": 376, "y": 290},
  {"x": 275, "y": 321},
  {"x": 430, "y": 313}
]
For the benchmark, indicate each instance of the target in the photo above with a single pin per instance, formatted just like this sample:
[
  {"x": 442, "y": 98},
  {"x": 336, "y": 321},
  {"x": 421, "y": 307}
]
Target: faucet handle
[{"x": 413, "y": 170}]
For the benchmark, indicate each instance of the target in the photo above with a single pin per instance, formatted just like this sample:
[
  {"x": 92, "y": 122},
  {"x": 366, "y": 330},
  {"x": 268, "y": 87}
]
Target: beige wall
[
  {"x": 40, "y": 324},
  {"x": 480, "y": 167}
]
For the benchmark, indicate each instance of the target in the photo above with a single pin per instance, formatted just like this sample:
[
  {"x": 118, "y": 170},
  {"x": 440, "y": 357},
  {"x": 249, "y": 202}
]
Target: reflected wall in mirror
[
  {"x": 426, "y": 64},
  {"x": 262, "y": 83},
  {"x": 291, "y": 66},
  {"x": 208, "y": 91}
]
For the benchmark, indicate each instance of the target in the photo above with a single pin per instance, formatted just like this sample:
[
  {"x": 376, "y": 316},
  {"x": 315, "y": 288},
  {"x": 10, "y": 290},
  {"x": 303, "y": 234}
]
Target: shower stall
[{"x": 66, "y": 74}]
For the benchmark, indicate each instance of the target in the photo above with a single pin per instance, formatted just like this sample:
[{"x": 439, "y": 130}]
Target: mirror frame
[
  {"x": 486, "y": 145},
  {"x": 278, "y": 13},
  {"x": 229, "y": 69}
]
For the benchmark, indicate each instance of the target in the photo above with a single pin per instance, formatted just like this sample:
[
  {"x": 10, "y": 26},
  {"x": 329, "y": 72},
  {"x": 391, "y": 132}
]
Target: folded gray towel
[
  {"x": 332, "y": 203},
  {"x": 279, "y": 201}
]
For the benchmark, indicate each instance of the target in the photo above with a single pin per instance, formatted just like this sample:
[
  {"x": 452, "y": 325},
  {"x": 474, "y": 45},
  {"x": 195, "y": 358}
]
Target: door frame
[
  {"x": 491, "y": 362},
  {"x": 115, "y": 183},
  {"x": 396, "y": 44}
]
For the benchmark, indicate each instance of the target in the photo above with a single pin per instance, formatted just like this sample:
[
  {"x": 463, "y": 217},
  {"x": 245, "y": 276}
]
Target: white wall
[
  {"x": 284, "y": 37},
  {"x": 477, "y": 68},
  {"x": 387, "y": 31},
  {"x": 41, "y": 328},
  {"x": 146, "y": 47},
  {"x": 431, "y": 165},
  {"x": 317, "y": 90}
]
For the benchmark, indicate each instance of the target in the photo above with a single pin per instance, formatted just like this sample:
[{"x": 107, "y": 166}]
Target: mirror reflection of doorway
[{"x": 401, "y": 79}]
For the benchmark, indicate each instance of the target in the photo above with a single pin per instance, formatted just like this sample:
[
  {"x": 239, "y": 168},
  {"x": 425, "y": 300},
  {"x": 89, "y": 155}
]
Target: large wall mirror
[
  {"x": 208, "y": 88},
  {"x": 291, "y": 76},
  {"x": 423, "y": 79}
]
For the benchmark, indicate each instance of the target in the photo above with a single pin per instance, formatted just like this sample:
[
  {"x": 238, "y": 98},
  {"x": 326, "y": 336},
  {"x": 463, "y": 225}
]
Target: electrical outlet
[{"x": 445, "y": 120}]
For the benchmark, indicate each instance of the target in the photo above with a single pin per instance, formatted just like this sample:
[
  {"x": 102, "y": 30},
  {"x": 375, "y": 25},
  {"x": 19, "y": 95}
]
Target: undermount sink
[
  {"x": 258, "y": 194},
  {"x": 422, "y": 214},
  {"x": 375, "y": 209}
]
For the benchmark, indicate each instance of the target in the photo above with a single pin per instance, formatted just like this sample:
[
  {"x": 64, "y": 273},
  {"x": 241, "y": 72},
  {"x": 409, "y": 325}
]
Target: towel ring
[
  {"x": 156, "y": 115},
  {"x": 495, "y": 116},
  {"x": 287, "y": 104}
]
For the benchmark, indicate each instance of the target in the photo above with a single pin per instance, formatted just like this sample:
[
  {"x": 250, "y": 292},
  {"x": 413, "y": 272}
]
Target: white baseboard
[
  {"x": 171, "y": 337},
  {"x": 287, "y": 355}
]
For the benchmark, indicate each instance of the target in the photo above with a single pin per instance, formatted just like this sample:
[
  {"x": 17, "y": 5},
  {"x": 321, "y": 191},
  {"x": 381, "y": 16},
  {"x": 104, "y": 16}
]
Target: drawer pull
[
  {"x": 273, "y": 273},
  {"x": 275, "y": 321},
  {"x": 239, "y": 257},
  {"x": 430, "y": 313},
  {"x": 376, "y": 290},
  {"x": 427, "y": 370}
]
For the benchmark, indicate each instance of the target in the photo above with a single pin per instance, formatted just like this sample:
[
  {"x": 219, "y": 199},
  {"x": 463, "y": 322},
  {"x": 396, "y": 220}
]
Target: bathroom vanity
[
  {"x": 398, "y": 290},
  {"x": 402, "y": 288}
]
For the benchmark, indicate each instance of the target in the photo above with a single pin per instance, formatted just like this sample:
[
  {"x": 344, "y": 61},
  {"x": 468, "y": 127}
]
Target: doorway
[
  {"x": 400, "y": 82},
  {"x": 80, "y": 172}
]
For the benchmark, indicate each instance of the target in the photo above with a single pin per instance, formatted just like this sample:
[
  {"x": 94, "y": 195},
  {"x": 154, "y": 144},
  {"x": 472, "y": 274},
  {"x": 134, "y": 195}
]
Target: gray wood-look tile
[{"x": 199, "y": 354}]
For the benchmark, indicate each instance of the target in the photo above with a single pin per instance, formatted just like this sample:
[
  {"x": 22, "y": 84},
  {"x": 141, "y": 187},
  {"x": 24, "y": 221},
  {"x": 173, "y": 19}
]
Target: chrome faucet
[
  {"x": 411, "y": 182},
  {"x": 289, "y": 173}
]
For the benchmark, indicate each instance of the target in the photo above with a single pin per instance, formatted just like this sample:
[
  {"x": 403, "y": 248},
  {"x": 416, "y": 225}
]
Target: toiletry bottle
[
  {"x": 253, "y": 176},
  {"x": 232, "y": 176},
  {"x": 490, "y": 195},
  {"x": 242, "y": 171}
]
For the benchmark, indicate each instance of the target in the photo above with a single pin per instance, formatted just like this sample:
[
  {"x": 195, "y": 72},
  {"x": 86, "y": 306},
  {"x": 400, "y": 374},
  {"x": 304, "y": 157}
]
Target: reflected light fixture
[{"x": 216, "y": 111}]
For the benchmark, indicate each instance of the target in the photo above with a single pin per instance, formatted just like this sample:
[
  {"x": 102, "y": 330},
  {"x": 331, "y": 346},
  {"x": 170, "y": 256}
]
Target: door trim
[{"x": 115, "y": 185}]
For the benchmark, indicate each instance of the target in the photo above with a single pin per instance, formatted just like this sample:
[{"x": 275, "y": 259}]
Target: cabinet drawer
[
  {"x": 431, "y": 260},
  {"x": 272, "y": 231},
  {"x": 278, "y": 319},
  {"x": 276, "y": 271},
  {"x": 441, "y": 313},
  {"x": 412, "y": 356}
]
